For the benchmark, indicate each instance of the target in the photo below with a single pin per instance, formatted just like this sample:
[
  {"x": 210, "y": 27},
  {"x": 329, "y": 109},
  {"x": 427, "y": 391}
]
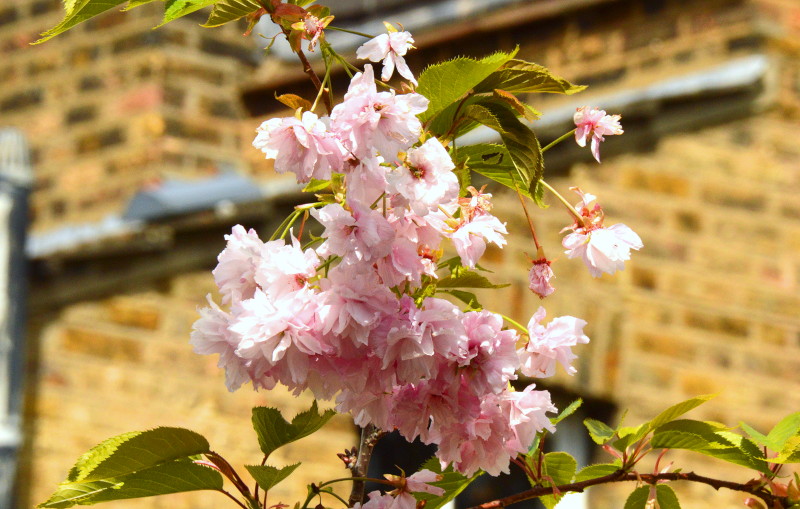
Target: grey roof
[
  {"x": 172, "y": 198},
  {"x": 176, "y": 197}
]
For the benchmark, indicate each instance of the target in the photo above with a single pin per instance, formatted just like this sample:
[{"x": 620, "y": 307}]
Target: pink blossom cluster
[{"x": 351, "y": 317}]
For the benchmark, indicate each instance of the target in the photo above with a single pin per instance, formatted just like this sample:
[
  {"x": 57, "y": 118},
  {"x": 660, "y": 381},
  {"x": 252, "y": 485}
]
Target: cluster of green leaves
[
  {"x": 224, "y": 11},
  {"x": 668, "y": 430},
  {"x": 167, "y": 460},
  {"x": 465, "y": 93}
]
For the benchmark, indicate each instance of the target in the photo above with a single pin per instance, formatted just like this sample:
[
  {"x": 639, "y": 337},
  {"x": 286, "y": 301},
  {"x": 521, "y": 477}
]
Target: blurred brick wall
[
  {"x": 112, "y": 105},
  {"x": 124, "y": 364},
  {"x": 709, "y": 305}
]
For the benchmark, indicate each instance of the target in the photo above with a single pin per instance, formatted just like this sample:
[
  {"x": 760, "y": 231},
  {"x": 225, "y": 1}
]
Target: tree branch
[
  {"x": 369, "y": 437},
  {"x": 753, "y": 489}
]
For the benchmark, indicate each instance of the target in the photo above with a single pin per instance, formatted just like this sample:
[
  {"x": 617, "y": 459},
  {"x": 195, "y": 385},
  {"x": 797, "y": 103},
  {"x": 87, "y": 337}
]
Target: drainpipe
[{"x": 16, "y": 179}]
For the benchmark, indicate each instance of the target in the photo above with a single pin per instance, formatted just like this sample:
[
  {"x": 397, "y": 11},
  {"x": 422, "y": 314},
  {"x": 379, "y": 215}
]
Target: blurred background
[{"x": 125, "y": 157}]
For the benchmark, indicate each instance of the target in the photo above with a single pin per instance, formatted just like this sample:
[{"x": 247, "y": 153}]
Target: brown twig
[
  {"x": 620, "y": 475},
  {"x": 369, "y": 437}
]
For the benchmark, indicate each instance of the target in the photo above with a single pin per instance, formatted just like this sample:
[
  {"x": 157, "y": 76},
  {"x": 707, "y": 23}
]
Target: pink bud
[{"x": 539, "y": 278}]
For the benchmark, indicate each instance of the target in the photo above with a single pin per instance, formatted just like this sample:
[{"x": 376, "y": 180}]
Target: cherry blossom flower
[
  {"x": 539, "y": 278},
  {"x": 390, "y": 48},
  {"x": 490, "y": 357},
  {"x": 470, "y": 238},
  {"x": 210, "y": 335},
  {"x": 312, "y": 28},
  {"x": 426, "y": 179},
  {"x": 285, "y": 268},
  {"x": 596, "y": 124},
  {"x": 235, "y": 273},
  {"x": 550, "y": 344},
  {"x": 602, "y": 249},
  {"x": 303, "y": 146},
  {"x": 362, "y": 235},
  {"x": 368, "y": 120}
]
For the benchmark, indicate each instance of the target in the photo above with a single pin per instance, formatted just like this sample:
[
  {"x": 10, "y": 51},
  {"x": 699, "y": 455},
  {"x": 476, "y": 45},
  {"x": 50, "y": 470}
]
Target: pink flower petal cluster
[
  {"x": 368, "y": 120},
  {"x": 550, "y": 344},
  {"x": 352, "y": 319},
  {"x": 391, "y": 48},
  {"x": 303, "y": 146},
  {"x": 602, "y": 249},
  {"x": 595, "y": 124}
]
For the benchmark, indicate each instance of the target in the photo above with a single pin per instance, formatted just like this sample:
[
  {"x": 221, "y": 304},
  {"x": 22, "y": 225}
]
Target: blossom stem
[
  {"x": 558, "y": 140},
  {"x": 530, "y": 221},
  {"x": 570, "y": 208},
  {"x": 515, "y": 323},
  {"x": 238, "y": 502},
  {"x": 325, "y": 81},
  {"x": 362, "y": 34}
]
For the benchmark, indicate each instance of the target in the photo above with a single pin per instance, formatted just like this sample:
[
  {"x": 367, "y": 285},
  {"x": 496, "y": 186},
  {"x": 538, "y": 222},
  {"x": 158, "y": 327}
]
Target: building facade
[{"x": 706, "y": 173}]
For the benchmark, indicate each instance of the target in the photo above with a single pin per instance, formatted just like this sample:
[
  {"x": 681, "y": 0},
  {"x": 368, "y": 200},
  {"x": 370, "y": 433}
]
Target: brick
[
  {"x": 81, "y": 114},
  {"x": 22, "y": 100},
  {"x": 656, "y": 182},
  {"x": 100, "y": 140},
  {"x": 221, "y": 108},
  {"x": 83, "y": 340},
  {"x": 665, "y": 344},
  {"x": 717, "y": 323},
  {"x": 137, "y": 41},
  {"x": 197, "y": 132},
  {"x": 217, "y": 47},
  {"x": 739, "y": 198},
  {"x": 134, "y": 312},
  {"x": 90, "y": 82},
  {"x": 8, "y": 15},
  {"x": 44, "y": 6}
]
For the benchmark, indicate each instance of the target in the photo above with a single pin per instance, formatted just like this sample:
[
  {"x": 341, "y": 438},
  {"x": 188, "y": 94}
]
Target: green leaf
[
  {"x": 137, "y": 3},
  {"x": 666, "y": 497},
  {"x": 522, "y": 146},
  {"x": 138, "y": 464},
  {"x": 571, "y": 409},
  {"x": 230, "y": 10},
  {"x": 595, "y": 471},
  {"x": 274, "y": 431},
  {"x": 629, "y": 436},
  {"x": 134, "y": 451},
  {"x": 176, "y": 476},
  {"x": 753, "y": 434},
  {"x": 78, "y": 11},
  {"x": 178, "y": 8},
  {"x": 467, "y": 279},
  {"x": 788, "y": 427},
  {"x": 468, "y": 298},
  {"x": 790, "y": 452},
  {"x": 679, "y": 409},
  {"x": 447, "y": 82},
  {"x": 600, "y": 432},
  {"x": 493, "y": 162},
  {"x": 638, "y": 498},
  {"x": 678, "y": 440},
  {"x": 560, "y": 467},
  {"x": 267, "y": 476},
  {"x": 452, "y": 483},
  {"x": 519, "y": 76},
  {"x": 711, "y": 439},
  {"x": 314, "y": 186}
]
